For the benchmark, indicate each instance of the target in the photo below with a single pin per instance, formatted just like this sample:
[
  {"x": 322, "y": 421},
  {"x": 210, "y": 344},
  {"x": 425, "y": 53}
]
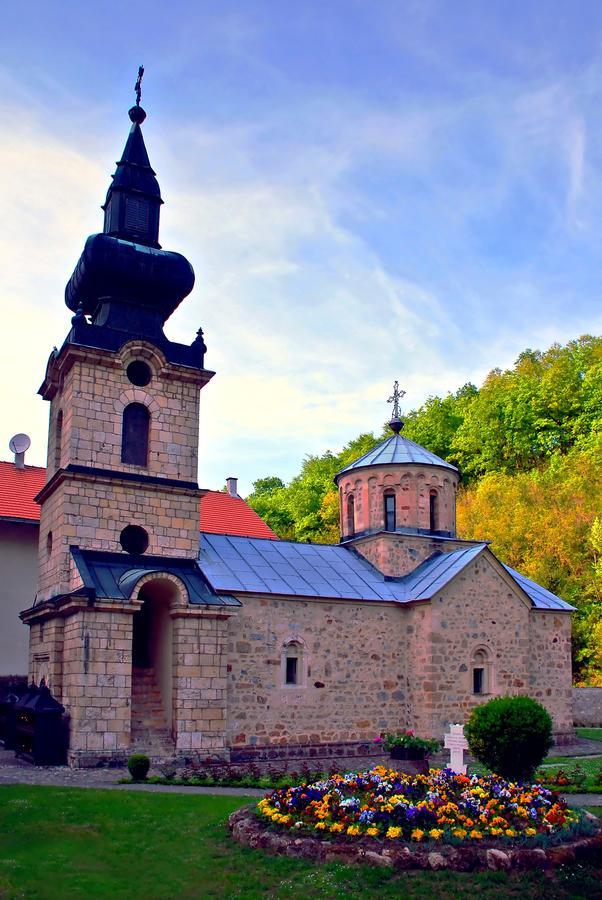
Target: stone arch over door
[{"x": 159, "y": 593}]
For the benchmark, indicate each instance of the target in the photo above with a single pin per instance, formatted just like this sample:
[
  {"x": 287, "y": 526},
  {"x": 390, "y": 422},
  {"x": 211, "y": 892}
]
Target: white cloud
[{"x": 307, "y": 318}]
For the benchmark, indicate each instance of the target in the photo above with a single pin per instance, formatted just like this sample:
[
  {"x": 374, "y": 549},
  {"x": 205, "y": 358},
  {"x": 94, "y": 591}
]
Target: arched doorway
[{"x": 152, "y": 665}]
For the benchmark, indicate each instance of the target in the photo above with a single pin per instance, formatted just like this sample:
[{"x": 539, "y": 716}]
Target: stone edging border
[{"x": 248, "y": 830}]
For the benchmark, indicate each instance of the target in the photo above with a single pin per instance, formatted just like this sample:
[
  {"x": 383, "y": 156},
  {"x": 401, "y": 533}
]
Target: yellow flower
[
  {"x": 372, "y": 831},
  {"x": 495, "y": 831},
  {"x": 510, "y": 832},
  {"x": 417, "y": 834},
  {"x": 475, "y": 835},
  {"x": 393, "y": 832},
  {"x": 337, "y": 827},
  {"x": 353, "y": 829},
  {"x": 530, "y": 831},
  {"x": 320, "y": 826},
  {"x": 459, "y": 832},
  {"x": 435, "y": 833}
]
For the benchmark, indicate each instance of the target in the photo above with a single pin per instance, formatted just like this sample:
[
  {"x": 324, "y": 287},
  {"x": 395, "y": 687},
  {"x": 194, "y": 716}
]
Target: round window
[
  {"x": 134, "y": 539},
  {"x": 139, "y": 373}
]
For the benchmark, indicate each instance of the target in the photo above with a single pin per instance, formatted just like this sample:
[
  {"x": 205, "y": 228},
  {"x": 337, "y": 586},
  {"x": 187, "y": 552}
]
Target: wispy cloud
[{"x": 340, "y": 241}]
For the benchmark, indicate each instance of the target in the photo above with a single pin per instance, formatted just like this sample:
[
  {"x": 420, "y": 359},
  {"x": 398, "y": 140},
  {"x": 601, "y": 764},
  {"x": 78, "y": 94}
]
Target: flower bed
[
  {"x": 390, "y": 816},
  {"x": 440, "y": 806}
]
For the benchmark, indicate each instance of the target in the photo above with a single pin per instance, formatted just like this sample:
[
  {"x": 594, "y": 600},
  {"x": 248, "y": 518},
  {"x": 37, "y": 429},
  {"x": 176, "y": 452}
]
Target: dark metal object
[
  {"x": 397, "y": 451},
  {"x": 138, "y": 85},
  {"x": 8, "y": 721},
  {"x": 115, "y": 575},
  {"x": 40, "y": 729},
  {"x": 124, "y": 281},
  {"x": 396, "y": 423}
]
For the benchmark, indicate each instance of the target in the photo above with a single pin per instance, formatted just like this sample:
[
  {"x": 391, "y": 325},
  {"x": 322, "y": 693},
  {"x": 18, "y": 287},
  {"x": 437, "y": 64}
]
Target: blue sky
[{"x": 366, "y": 190}]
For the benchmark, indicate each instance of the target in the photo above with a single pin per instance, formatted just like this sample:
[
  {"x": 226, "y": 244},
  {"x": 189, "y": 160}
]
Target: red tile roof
[
  {"x": 18, "y": 487},
  {"x": 219, "y": 512},
  {"x": 223, "y": 514}
]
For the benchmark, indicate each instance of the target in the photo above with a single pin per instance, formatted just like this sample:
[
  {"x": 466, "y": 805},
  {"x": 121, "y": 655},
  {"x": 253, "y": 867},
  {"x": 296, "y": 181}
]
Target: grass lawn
[
  {"x": 592, "y": 734},
  {"x": 64, "y": 843}
]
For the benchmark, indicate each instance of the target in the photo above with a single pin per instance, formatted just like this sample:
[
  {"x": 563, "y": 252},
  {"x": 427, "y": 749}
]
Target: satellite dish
[{"x": 20, "y": 443}]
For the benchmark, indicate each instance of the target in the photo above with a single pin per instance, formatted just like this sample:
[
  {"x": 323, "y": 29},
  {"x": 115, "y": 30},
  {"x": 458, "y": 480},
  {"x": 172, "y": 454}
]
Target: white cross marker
[{"x": 457, "y": 744}]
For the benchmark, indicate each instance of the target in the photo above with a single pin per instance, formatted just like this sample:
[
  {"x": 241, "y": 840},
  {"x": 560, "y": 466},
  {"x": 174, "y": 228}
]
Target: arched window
[
  {"x": 389, "y": 501},
  {"x": 58, "y": 439},
  {"x": 134, "y": 434},
  {"x": 481, "y": 674},
  {"x": 293, "y": 664},
  {"x": 433, "y": 511},
  {"x": 350, "y": 514}
]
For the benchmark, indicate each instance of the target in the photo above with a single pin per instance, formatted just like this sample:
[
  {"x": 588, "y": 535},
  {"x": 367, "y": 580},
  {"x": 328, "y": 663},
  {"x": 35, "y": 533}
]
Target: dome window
[{"x": 389, "y": 504}]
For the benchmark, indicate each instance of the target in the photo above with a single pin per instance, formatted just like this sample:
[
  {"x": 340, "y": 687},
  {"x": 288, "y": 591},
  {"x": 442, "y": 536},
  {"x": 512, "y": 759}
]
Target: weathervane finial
[
  {"x": 396, "y": 423},
  {"x": 138, "y": 85},
  {"x": 136, "y": 113}
]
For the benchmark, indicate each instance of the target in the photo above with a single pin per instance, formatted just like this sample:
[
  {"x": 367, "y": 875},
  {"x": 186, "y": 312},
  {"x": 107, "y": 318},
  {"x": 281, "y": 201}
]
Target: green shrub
[
  {"x": 138, "y": 765},
  {"x": 510, "y": 735}
]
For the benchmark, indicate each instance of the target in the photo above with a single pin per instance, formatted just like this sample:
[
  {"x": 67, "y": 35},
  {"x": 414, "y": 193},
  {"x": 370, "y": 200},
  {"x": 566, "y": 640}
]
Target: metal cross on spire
[
  {"x": 138, "y": 85},
  {"x": 395, "y": 397},
  {"x": 396, "y": 423}
]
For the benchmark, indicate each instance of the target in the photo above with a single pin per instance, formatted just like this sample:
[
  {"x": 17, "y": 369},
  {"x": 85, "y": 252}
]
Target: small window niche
[
  {"x": 293, "y": 665},
  {"x": 481, "y": 673},
  {"x": 134, "y": 434},
  {"x": 139, "y": 373},
  {"x": 58, "y": 439},
  {"x": 434, "y": 511},
  {"x": 389, "y": 510},
  {"x": 350, "y": 515}
]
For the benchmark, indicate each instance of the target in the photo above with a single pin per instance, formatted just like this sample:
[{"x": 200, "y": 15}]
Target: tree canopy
[{"x": 528, "y": 444}]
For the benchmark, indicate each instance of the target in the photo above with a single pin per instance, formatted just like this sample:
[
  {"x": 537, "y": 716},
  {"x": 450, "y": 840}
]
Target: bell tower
[{"x": 120, "y": 507}]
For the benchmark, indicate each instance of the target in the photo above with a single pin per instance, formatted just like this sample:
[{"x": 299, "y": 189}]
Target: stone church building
[{"x": 157, "y": 638}]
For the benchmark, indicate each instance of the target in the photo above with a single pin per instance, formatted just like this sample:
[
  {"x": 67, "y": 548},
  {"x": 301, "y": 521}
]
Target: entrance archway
[{"x": 152, "y": 662}]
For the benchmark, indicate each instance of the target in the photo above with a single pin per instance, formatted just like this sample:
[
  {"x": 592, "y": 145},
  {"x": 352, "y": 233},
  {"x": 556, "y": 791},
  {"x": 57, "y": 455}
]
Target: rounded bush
[
  {"x": 510, "y": 735},
  {"x": 138, "y": 765}
]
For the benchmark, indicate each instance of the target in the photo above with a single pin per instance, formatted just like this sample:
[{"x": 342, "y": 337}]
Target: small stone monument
[{"x": 456, "y": 743}]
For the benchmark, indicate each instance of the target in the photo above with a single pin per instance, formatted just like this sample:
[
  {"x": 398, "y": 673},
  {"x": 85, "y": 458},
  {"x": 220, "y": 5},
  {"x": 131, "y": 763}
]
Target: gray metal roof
[
  {"x": 256, "y": 565},
  {"x": 542, "y": 598},
  {"x": 319, "y": 570},
  {"x": 115, "y": 575},
  {"x": 282, "y": 567},
  {"x": 397, "y": 451},
  {"x": 435, "y": 572}
]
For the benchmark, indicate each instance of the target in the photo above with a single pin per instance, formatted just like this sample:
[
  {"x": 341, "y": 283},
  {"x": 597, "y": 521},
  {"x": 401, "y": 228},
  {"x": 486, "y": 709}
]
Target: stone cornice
[{"x": 90, "y": 473}]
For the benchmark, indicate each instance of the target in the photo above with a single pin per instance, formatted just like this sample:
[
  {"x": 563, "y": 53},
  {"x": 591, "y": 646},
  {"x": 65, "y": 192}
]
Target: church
[{"x": 161, "y": 639}]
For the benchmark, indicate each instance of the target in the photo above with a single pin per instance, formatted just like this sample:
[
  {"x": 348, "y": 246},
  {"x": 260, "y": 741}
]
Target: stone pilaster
[{"x": 200, "y": 643}]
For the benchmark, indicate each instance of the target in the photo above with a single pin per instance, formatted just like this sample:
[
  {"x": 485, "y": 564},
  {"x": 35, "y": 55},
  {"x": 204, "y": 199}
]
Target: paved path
[
  {"x": 583, "y": 799},
  {"x": 15, "y": 771}
]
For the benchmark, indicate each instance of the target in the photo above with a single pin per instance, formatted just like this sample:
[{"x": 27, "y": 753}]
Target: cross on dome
[{"x": 396, "y": 423}]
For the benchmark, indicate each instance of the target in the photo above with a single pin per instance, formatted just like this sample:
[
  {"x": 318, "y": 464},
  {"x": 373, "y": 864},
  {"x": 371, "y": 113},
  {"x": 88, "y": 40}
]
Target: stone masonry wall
[
  {"x": 199, "y": 679},
  {"x": 92, "y": 397},
  {"x": 91, "y": 512},
  {"x": 550, "y": 667},
  {"x": 411, "y": 486},
  {"x": 354, "y": 679},
  {"x": 86, "y": 657},
  {"x": 398, "y": 554},
  {"x": 587, "y": 707},
  {"x": 46, "y": 653},
  {"x": 97, "y": 681},
  {"x": 480, "y": 610}
]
